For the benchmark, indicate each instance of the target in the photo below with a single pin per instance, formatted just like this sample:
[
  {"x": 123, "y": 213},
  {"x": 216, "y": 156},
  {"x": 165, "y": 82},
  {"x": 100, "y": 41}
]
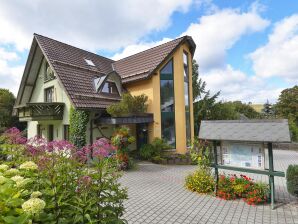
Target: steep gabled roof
[
  {"x": 77, "y": 77},
  {"x": 143, "y": 64}
]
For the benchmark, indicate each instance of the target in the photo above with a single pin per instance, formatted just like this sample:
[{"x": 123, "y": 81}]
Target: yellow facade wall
[{"x": 151, "y": 88}]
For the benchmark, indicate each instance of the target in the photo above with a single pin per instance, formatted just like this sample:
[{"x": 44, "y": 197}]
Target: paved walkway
[{"x": 157, "y": 195}]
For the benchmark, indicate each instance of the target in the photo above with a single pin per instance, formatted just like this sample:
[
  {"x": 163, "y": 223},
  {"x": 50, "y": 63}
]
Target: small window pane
[
  {"x": 89, "y": 62},
  {"x": 49, "y": 95},
  {"x": 168, "y": 127},
  {"x": 105, "y": 88},
  {"x": 110, "y": 87},
  {"x": 167, "y": 95},
  {"x": 51, "y": 133},
  {"x": 66, "y": 132},
  {"x": 185, "y": 61},
  {"x": 186, "y": 96},
  {"x": 113, "y": 88},
  {"x": 168, "y": 69}
]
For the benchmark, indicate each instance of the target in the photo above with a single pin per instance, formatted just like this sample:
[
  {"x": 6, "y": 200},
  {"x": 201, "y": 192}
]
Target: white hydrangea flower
[
  {"x": 36, "y": 194},
  {"x": 3, "y": 180},
  {"x": 28, "y": 166},
  {"x": 17, "y": 178},
  {"x": 3, "y": 167},
  {"x": 12, "y": 172},
  {"x": 33, "y": 206},
  {"x": 20, "y": 181}
]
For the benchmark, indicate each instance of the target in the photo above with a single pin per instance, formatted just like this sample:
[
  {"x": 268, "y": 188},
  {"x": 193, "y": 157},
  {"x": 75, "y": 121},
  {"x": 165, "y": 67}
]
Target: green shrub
[
  {"x": 199, "y": 149},
  {"x": 156, "y": 148},
  {"x": 129, "y": 105},
  {"x": 200, "y": 181},
  {"x": 292, "y": 180},
  {"x": 146, "y": 151},
  {"x": 158, "y": 159}
]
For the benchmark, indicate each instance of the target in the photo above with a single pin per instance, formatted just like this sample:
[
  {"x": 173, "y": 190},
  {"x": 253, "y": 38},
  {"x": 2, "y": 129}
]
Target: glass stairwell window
[
  {"x": 167, "y": 104},
  {"x": 186, "y": 96}
]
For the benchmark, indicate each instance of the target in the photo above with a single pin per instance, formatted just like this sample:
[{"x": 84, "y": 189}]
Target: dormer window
[
  {"x": 89, "y": 62},
  {"x": 110, "y": 88}
]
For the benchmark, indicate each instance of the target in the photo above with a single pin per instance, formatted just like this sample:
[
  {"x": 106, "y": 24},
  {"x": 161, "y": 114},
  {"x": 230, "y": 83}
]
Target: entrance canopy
[
  {"x": 139, "y": 119},
  {"x": 275, "y": 131}
]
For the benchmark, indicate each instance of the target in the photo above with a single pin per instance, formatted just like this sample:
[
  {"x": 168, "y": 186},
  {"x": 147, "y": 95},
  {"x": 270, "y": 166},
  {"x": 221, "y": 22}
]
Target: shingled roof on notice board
[{"x": 246, "y": 130}]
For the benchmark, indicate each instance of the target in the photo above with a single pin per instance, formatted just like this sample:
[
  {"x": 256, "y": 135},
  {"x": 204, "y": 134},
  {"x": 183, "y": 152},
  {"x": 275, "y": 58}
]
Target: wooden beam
[{"x": 248, "y": 170}]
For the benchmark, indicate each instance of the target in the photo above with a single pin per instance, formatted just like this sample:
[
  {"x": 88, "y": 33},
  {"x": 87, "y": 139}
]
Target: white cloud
[
  {"x": 88, "y": 24},
  {"x": 236, "y": 85},
  {"x": 279, "y": 56},
  {"x": 10, "y": 76},
  {"x": 216, "y": 33}
]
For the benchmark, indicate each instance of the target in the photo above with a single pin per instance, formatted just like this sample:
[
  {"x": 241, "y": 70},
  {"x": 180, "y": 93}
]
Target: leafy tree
[
  {"x": 203, "y": 101},
  {"x": 206, "y": 107},
  {"x": 287, "y": 107},
  {"x": 7, "y": 100}
]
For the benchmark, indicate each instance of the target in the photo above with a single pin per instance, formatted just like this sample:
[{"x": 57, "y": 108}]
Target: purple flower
[
  {"x": 102, "y": 148},
  {"x": 14, "y": 136},
  {"x": 82, "y": 154}
]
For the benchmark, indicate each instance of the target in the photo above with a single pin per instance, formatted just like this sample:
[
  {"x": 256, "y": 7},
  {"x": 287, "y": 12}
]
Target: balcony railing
[{"x": 41, "y": 111}]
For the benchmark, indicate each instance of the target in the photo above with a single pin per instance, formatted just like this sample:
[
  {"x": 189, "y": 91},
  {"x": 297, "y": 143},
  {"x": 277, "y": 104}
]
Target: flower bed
[
  {"x": 232, "y": 187},
  {"x": 55, "y": 182}
]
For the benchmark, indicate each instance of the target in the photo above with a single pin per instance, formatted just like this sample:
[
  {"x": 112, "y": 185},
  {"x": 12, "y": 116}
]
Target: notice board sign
[{"x": 243, "y": 155}]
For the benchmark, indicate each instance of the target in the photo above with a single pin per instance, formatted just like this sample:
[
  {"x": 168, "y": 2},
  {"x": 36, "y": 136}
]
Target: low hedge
[{"x": 292, "y": 180}]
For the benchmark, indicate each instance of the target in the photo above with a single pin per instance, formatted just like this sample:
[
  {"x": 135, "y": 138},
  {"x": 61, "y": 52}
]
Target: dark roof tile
[{"x": 77, "y": 76}]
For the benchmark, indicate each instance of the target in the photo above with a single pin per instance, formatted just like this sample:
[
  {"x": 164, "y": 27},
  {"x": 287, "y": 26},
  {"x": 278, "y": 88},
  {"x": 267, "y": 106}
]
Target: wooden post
[
  {"x": 271, "y": 177},
  {"x": 215, "y": 166}
]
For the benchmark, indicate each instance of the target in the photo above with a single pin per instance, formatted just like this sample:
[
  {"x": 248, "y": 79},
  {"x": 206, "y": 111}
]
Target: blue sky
[{"x": 246, "y": 49}]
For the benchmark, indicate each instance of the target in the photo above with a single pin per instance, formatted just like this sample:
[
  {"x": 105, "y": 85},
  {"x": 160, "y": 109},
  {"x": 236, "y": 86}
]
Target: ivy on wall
[{"x": 78, "y": 120}]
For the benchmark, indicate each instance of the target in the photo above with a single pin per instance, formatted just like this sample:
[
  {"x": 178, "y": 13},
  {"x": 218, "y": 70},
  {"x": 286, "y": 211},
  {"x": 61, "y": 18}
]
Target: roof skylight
[{"x": 89, "y": 62}]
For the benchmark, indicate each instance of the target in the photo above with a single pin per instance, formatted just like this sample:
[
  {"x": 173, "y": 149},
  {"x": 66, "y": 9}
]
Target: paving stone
[{"x": 157, "y": 195}]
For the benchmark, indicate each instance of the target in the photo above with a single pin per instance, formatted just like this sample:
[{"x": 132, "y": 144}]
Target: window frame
[
  {"x": 50, "y": 132},
  {"x": 110, "y": 93},
  {"x": 46, "y": 95},
  {"x": 66, "y": 132},
  {"x": 187, "y": 112},
  {"x": 168, "y": 76}
]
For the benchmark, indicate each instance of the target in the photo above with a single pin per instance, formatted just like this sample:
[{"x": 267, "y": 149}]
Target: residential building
[{"x": 58, "y": 76}]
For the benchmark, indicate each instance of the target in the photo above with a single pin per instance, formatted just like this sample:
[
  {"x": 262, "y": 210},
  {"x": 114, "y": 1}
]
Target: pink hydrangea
[
  {"x": 102, "y": 148},
  {"x": 14, "y": 136}
]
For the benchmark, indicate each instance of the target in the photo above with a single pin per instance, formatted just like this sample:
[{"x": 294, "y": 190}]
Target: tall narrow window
[
  {"x": 167, "y": 104},
  {"x": 186, "y": 96},
  {"x": 49, "y": 95},
  {"x": 66, "y": 132},
  {"x": 51, "y": 133},
  {"x": 39, "y": 134}
]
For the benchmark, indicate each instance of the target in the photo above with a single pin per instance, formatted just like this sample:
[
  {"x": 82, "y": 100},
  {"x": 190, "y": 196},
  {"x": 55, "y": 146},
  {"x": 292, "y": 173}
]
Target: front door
[{"x": 142, "y": 135}]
